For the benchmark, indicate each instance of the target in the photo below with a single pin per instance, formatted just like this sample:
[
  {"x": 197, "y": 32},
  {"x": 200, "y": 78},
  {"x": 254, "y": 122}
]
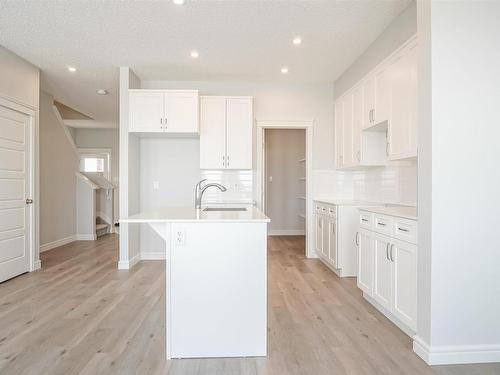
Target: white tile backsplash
[
  {"x": 239, "y": 186},
  {"x": 392, "y": 184}
]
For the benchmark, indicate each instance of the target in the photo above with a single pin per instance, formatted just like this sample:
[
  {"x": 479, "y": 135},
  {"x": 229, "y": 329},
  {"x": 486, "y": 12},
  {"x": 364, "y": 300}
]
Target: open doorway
[
  {"x": 285, "y": 181},
  {"x": 283, "y": 178}
]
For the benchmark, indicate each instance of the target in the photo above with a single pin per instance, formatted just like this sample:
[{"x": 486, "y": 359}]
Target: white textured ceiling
[{"x": 244, "y": 40}]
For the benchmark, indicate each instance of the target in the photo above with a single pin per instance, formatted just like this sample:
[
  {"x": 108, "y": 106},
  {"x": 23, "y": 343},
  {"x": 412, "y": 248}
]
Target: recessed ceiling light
[
  {"x": 101, "y": 92},
  {"x": 195, "y": 54},
  {"x": 284, "y": 70},
  {"x": 178, "y": 2},
  {"x": 297, "y": 40},
  {"x": 72, "y": 69}
]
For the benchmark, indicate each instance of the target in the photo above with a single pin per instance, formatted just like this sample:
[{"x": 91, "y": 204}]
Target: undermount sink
[{"x": 224, "y": 209}]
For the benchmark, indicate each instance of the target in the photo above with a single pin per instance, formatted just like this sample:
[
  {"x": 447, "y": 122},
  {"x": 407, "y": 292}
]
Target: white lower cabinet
[
  {"x": 365, "y": 262},
  {"x": 387, "y": 268},
  {"x": 336, "y": 237}
]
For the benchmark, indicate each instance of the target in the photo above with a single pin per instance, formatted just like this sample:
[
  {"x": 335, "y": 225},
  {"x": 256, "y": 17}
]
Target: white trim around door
[
  {"x": 31, "y": 190},
  {"x": 307, "y": 125}
]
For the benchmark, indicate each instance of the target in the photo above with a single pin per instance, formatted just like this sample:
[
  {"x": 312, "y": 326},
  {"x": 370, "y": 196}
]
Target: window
[{"x": 96, "y": 160}]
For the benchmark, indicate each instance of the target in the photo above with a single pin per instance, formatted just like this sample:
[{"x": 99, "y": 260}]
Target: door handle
[
  {"x": 357, "y": 239},
  {"x": 29, "y": 201}
]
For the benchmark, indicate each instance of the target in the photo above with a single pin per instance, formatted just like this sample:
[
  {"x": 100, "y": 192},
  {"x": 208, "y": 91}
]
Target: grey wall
[
  {"x": 58, "y": 164},
  {"x": 284, "y": 148},
  {"x": 103, "y": 138},
  {"x": 400, "y": 30}
]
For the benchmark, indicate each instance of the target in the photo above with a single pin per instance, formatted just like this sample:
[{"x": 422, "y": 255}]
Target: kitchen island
[{"x": 216, "y": 280}]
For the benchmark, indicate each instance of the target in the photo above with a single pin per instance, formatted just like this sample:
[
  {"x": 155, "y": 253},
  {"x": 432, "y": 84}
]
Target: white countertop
[
  {"x": 405, "y": 212},
  {"x": 347, "y": 202},
  {"x": 190, "y": 214}
]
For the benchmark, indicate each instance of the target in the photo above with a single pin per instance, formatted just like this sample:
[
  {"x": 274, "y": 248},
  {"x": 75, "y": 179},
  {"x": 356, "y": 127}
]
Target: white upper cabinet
[
  {"x": 163, "y": 111},
  {"x": 212, "y": 132},
  {"x": 181, "y": 112},
  {"x": 239, "y": 133},
  {"x": 146, "y": 111},
  {"x": 402, "y": 132},
  {"x": 376, "y": 120},
  {"x": 226, "y": 132},
  {"x": 339, "y": 136}
]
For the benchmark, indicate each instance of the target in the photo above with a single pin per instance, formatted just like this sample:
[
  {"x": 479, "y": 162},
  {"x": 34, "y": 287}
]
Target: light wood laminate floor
[{"x": 80, "y": 315}]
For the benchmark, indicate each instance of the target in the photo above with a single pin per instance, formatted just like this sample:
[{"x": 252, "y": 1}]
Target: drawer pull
[
  {"x": 364, "y": 220},
  {"x": 382, "y": 224},
  {"x": 403, "y": 230}
]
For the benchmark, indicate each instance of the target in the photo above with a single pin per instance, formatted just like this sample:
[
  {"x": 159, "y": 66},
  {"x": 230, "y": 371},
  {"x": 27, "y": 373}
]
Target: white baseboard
[
  {"x": 128, "y": 264},
  {"x": 86, "y": 237},
  {"x": 153, "y": 255},
  {"x": 286, "y": 232},
  {"x": 37, "y": 265},
  {"x": 57, "y": 243},
  {"x": 456, "y": 355}
]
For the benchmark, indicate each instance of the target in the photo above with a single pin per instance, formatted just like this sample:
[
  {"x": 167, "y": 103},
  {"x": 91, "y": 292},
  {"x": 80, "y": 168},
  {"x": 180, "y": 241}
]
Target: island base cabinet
[{"x": 216, "y": 290}]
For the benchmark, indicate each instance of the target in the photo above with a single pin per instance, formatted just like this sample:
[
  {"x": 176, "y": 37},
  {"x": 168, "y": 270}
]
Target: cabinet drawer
[
  {"x": 382, "y": 224},
  {"x": 331, "y": 211},
  {"x": 365, "y": 220},
  {"x": 405, "y": 230}
]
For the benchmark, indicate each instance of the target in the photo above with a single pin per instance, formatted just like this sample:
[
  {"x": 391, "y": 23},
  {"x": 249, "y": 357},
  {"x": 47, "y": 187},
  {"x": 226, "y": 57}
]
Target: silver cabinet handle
[
  {"x": 391, "y": 253},
  {"x": 387, "y": 251},
  {"x": 357, "y": 239},
  {"x": 387, "y": 148},
  {"x": 359, "y": 155},
  {"x": 382, "y": 224},
  {"x": 373, "y": 115},
  {"x": 403, "y": 229},
  {"x": 223, "y": 161},
  {"x": 227, "y": 164},
  {"x": 166, "y": 122},
  {"x": 363, "y": 219}
]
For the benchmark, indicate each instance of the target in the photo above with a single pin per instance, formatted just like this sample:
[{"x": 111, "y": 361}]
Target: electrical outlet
[
  {"x": 156, "y": 185},
  {"x": 180, "y": 237}
]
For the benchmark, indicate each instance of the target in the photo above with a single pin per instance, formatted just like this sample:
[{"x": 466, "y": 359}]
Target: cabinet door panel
[
  {"x": 368, "y": 101},
  {"x": 181, "y": 112},
  {"x": 332, "y": 242},
  {"x": 365, "y": 261},
  {"x": 239, "y": 134},
  {"x": 405, "y": 282},
  {"x": 319, "y": 235},
  {"x": 348, "y": 131},
  {"x": 213, "y": 133},
  {"x": 146, "y": 112},
  {"x": 382, "y": 286},
  {"x": 339, "y": 136},
  {"x": 357, "y": 124},
  {"x": 326, "y": 240},
  {"x": 382, "y": 95}
]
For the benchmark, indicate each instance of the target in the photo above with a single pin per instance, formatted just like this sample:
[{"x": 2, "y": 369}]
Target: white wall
[
  {"x": 58, "y": 164},
  {"x": 283, "y": 149},
  {"x": 19, "y": 80},
  {"x": 395, "y": 183},
  {"x": 103, "y": 138},
  {"x": 459, "y": 185}
]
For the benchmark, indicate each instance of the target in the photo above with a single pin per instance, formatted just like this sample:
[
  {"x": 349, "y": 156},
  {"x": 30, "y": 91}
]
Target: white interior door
[{"x": 15, "y": 188}]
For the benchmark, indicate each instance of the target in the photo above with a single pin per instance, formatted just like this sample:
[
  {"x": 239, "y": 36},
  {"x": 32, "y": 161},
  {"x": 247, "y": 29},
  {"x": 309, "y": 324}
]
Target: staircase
[{"x": 101, "y": 227}]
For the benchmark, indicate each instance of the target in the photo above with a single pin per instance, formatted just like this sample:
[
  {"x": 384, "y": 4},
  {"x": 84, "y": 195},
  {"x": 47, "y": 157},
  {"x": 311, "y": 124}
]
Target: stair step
[{"x": 101, "y": 226}]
